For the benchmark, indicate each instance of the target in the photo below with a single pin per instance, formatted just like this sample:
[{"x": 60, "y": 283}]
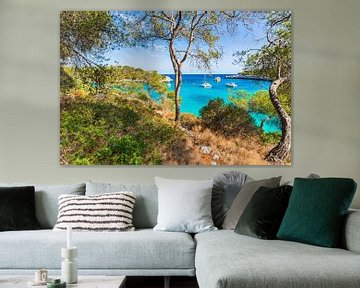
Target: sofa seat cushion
[
  {"x": 225, "y": 259},
  {"x": 141, "y": 249}
]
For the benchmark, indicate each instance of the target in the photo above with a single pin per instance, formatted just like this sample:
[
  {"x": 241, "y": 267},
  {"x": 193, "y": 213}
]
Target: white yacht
[
  {"x": 206, "y": 85},
  {"x": 231, "y": 84},
  {"x": 167, "y": 79}
]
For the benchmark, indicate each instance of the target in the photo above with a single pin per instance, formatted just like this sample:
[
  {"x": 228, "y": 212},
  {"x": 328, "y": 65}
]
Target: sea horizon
[{"x": 197, "y": 73}]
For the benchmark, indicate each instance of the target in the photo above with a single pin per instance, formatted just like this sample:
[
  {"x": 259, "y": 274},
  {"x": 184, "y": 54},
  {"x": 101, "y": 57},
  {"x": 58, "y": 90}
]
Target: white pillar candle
[{"x": 69, "y": 237}]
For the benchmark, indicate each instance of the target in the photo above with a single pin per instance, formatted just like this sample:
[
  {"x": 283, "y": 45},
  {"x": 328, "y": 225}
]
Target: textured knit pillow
[
  {"x": 263, "y": 215},
  {"x": 17, "y": 208},
  {"x": 105, "y": 212},
  {"x": 243, "y": 198},
  {"x": 316, "y": 211},
  {"x": 184, "y": 205},
  {"x": 146, "y": 205},
  {"x": 226, "y": 187}
]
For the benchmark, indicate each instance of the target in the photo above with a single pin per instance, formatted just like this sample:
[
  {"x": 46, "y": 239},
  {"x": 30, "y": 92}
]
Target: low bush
[
  {"x": 188, "y": 121},
  {"x": 227, "y": 119},
  {"x": 113, "y": 131}
]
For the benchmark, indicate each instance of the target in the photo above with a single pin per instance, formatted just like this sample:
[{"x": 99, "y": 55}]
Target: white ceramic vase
[{"x": 69, "y": 270}]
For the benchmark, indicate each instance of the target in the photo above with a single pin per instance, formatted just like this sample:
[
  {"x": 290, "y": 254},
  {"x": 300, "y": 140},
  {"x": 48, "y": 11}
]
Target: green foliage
[
  {"x": 261, "y": 103},
  {"x": 85, "y": 36},
  {"x": 124, "y": 150},
  {"x": 241, "y": 99},
  {"x": 113, "y": 130},
  {"x": 227, "y": 119},
  {"x": 269, "y": 138},
  {"x": 273, "y": 59},
  {"x": 155, "y": 82},
  {"x": 106, "y": 79}
]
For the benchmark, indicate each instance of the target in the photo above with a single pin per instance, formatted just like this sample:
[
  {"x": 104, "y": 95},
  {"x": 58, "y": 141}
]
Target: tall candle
[{"x": 69, "y": 237}]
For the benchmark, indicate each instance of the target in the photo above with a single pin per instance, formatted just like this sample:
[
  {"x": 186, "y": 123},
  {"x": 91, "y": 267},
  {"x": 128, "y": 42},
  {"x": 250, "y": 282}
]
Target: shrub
[
  {"x": 188, "y": 120},
  {"x": 226, "y": 119},
  {"x": 113, "y": 130},
  {"x": 269, "y": 138},
  {"x": 126, "y": 150}
]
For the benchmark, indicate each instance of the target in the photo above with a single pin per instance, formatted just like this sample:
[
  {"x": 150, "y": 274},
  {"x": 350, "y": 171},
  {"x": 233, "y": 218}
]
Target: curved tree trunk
[
  {"x": 279, "y": 153},
  {"x": 178, "y": 80}
]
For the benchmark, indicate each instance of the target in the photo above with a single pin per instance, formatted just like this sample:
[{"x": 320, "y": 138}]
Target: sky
[{"x": 156, "y": 57}]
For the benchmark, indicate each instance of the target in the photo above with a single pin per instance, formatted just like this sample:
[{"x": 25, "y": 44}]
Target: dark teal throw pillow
[
  {"x": 264, "y": 212},
  {"x": 17, "y": 209},
  {"x": 316, "y": 211}
]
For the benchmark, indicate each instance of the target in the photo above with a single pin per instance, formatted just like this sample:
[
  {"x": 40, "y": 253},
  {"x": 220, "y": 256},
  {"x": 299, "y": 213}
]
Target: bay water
[{"x": 194, "y": 96}]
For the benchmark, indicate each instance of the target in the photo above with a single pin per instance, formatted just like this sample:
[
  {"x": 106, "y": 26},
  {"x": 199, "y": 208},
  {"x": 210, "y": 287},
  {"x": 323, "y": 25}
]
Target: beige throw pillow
[{"x": 243, "y": 198}]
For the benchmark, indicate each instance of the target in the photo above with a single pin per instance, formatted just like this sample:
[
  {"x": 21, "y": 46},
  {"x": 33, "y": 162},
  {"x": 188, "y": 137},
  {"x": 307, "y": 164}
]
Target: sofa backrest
[
  {"x": 46, "y": 200},
  {"x": 146, "y": 203}
]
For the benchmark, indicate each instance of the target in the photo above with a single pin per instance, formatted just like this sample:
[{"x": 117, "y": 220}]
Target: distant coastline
[
  {"x": 227, "y": 76},
  {"x": 250, "y": 77}
]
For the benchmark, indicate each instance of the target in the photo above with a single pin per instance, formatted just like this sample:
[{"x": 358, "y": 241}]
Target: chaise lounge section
[{"x": 225, "y": 259}]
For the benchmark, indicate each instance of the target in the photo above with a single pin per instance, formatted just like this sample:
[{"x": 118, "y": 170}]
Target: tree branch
[
  {"x": 279, "y": 21},
  {"x": 80, "y": 55},
  {"x": 177, "y": 25},
  {"x": 153, "y": 15},
  {"x": 191, "y": 35}
]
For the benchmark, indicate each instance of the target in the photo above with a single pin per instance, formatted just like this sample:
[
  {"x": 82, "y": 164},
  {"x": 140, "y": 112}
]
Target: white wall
[{"x": 326, "y": 91}]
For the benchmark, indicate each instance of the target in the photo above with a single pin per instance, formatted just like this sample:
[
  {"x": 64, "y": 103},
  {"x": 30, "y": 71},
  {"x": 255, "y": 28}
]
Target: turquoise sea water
[{"x": 194, "y": 96}]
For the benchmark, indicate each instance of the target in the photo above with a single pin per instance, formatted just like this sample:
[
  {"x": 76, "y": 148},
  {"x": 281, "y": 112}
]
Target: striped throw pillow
[{"x": 105, "y": 212}]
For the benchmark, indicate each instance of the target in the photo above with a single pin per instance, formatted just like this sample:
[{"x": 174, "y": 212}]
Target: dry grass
[
  {"x": 230, "y": 150},
  {"x": 238, "y": 150}
]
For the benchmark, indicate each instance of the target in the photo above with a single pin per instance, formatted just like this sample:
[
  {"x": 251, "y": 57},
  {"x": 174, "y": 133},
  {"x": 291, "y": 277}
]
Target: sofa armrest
[{"x": 351, "y": 234}]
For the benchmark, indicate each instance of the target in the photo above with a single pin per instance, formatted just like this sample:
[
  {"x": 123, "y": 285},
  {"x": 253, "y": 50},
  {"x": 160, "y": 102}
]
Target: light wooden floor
[{"x": 158, "y": 282}]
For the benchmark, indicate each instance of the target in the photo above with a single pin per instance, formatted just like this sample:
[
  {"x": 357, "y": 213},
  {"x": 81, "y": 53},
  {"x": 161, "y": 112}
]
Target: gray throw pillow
[
  {"x": 226, "y": 187},
  {"x": 310, "y": 176},
  {"x": 242, "y": 199},
  {"x": 46, "y": 200},
  {"x": 184, "y": 205}
]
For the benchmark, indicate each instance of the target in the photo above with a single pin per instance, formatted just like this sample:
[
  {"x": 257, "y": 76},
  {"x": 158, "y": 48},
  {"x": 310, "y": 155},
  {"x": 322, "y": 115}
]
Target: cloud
[{"x": 159, "y": 47}]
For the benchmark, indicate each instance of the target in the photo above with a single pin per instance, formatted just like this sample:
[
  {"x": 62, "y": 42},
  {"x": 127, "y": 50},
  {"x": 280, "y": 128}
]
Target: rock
[
  {"x": 205, "y": 149},
  {"x": 213, "y": 163},
  {"x": 216, "y": 157}
]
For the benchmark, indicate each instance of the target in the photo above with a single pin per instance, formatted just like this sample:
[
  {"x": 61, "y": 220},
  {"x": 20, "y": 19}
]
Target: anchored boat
[
  {"x": 206, "y": 85},
  {"x": 231, "y": 84}
]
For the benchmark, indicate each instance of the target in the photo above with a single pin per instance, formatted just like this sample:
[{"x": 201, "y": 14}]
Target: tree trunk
[
  {"x": 178, "y": 76},
  {"x": 178, "y": 80},
  {"x": 279, "y": 153}
]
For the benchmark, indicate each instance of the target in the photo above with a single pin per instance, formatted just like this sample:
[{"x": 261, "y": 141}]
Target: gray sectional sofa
[{"x": 219, "y": 259}]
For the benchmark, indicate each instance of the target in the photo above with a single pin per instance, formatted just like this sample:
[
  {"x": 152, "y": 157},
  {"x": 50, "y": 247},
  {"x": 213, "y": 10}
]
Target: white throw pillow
[
  {"x": 184, "y": 205},
  {"x": 104, "y": 212}
]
